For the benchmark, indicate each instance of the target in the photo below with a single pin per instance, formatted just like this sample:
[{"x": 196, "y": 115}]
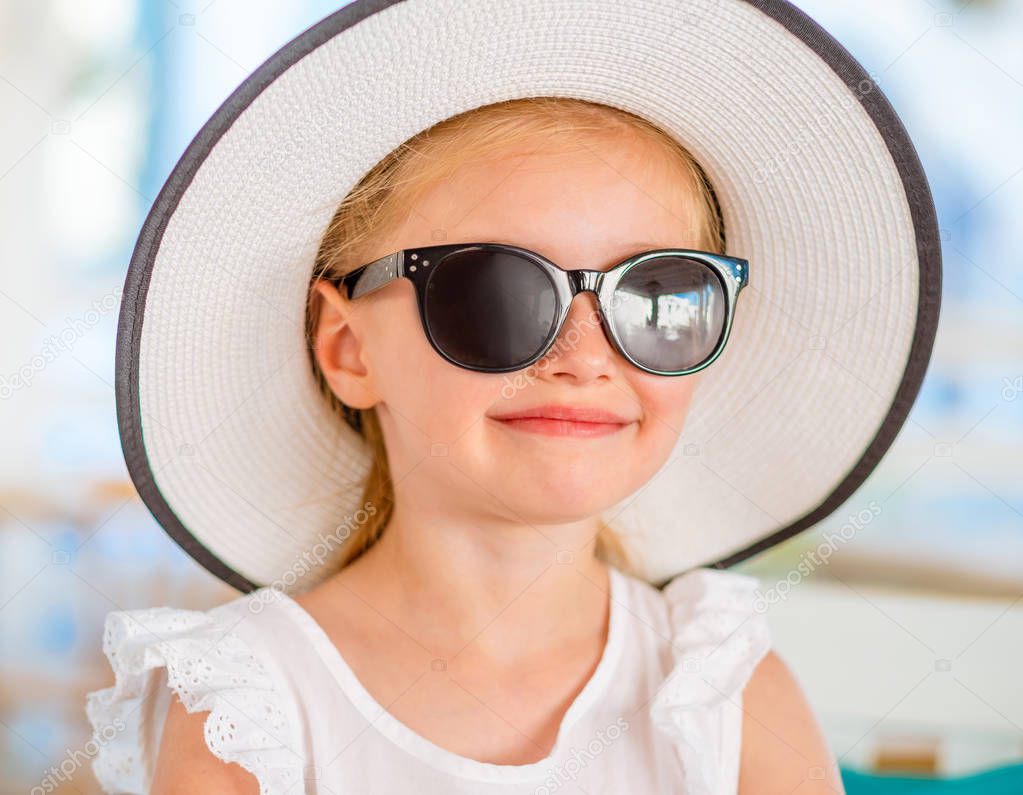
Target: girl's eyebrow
[{"x": 628, "y": 248}]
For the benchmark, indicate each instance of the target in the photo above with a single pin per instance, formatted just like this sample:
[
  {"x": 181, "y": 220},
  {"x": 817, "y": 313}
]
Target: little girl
[{"x": 511, "y": 314}]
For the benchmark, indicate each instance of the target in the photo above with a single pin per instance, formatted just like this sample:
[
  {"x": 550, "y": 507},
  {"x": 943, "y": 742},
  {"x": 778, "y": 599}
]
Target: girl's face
[{"x": 583, "y": 206}]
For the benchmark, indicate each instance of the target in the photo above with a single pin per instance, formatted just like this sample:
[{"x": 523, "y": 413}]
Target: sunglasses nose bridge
[{"x": 582, "y": 279}]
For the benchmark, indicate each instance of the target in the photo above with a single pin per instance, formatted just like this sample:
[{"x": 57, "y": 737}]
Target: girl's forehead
[
  {"x": 599, "y": 205},
  {"x": 593, "y": 156},
  {"x": 517, "y": 205}
]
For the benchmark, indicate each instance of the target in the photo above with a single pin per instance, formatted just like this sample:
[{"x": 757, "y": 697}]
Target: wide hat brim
[{"x": 235, "y": 451}]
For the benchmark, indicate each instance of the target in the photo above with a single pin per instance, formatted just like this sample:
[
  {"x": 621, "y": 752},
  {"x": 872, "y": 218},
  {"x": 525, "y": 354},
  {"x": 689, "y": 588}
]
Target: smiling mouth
[{"x": 553, "y": 426}]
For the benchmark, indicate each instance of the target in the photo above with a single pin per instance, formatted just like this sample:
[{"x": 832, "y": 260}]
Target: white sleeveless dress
[{"x": 661, "y": 713}]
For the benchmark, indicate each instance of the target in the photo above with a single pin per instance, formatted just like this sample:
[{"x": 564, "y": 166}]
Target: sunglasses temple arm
[{"x": 375, "y": 275}]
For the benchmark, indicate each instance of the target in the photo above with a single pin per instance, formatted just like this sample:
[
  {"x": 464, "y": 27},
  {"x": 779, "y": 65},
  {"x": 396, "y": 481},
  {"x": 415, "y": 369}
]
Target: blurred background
[{"x": 914, "y": 673}]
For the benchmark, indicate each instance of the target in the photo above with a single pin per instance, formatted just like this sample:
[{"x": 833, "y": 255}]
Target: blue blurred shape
[
  {"x": 56, "y": 629},
  {"x": 1005, "y": 780}
]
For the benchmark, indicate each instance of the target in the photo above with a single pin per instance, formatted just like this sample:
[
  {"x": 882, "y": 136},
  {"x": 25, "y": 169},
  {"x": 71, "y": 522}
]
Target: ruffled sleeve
[
  {"x": 718, "y": 638},
  {"x": 197, "y": 656}
]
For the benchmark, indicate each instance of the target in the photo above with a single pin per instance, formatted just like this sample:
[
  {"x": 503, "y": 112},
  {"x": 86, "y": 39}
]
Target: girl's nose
[{"x": 582, "y": 348}]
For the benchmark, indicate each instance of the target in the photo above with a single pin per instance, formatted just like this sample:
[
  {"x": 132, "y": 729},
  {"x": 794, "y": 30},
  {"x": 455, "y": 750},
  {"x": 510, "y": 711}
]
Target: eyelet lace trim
[
  {"x": 209, "y": 668},
  {"x": 718, "y": 638}
]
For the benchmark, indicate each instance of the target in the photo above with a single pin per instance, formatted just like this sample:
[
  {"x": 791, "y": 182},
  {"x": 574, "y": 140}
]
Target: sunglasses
[{"x": 495, "y": 308}]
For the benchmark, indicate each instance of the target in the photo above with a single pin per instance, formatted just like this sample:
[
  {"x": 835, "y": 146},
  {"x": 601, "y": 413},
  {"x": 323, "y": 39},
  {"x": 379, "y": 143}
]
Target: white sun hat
[{"x": 237, "y": 454}]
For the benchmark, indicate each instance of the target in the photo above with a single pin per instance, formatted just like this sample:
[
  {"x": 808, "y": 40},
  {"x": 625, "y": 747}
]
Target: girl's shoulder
[
  {"x": 710, "y": 632},
  {"x": 224, "y": 660},
  {"x": 704, "y": 612}
]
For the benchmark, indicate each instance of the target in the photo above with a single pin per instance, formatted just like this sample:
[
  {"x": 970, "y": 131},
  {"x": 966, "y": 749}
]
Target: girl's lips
[
  {"x": 559, "y": 411},
  {"x": 548, "y": 426},
  {"x": 562, "y": 420}
]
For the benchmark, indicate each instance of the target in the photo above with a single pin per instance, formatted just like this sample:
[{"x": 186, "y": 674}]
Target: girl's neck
[{"x": 510, "y": 589}]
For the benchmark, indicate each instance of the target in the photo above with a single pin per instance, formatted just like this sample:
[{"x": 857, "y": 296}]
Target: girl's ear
[{"x": 338, "y": 347}]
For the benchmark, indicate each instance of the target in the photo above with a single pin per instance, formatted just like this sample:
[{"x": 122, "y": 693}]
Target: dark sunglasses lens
[
  {"x": 669, "y": 313},
  {"x": 489, "y": 309}
]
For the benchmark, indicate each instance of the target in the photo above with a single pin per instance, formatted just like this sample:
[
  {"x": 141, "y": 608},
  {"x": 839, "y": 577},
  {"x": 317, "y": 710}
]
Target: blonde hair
[{"x": 384, "y": 196}]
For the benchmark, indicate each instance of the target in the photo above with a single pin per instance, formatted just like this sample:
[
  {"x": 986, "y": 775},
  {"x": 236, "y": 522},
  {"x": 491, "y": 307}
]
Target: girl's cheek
[
  {"x": 669, "y": 401},
  {"x": 450, "y": 401}
]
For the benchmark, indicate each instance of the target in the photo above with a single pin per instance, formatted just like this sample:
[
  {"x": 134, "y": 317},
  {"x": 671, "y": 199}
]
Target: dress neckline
[{"x": 437, "y": 756}]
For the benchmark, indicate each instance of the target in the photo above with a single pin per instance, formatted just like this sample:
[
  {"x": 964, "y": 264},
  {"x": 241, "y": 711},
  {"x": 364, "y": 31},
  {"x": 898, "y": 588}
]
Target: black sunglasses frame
[{"x": 418, "y": 264}]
